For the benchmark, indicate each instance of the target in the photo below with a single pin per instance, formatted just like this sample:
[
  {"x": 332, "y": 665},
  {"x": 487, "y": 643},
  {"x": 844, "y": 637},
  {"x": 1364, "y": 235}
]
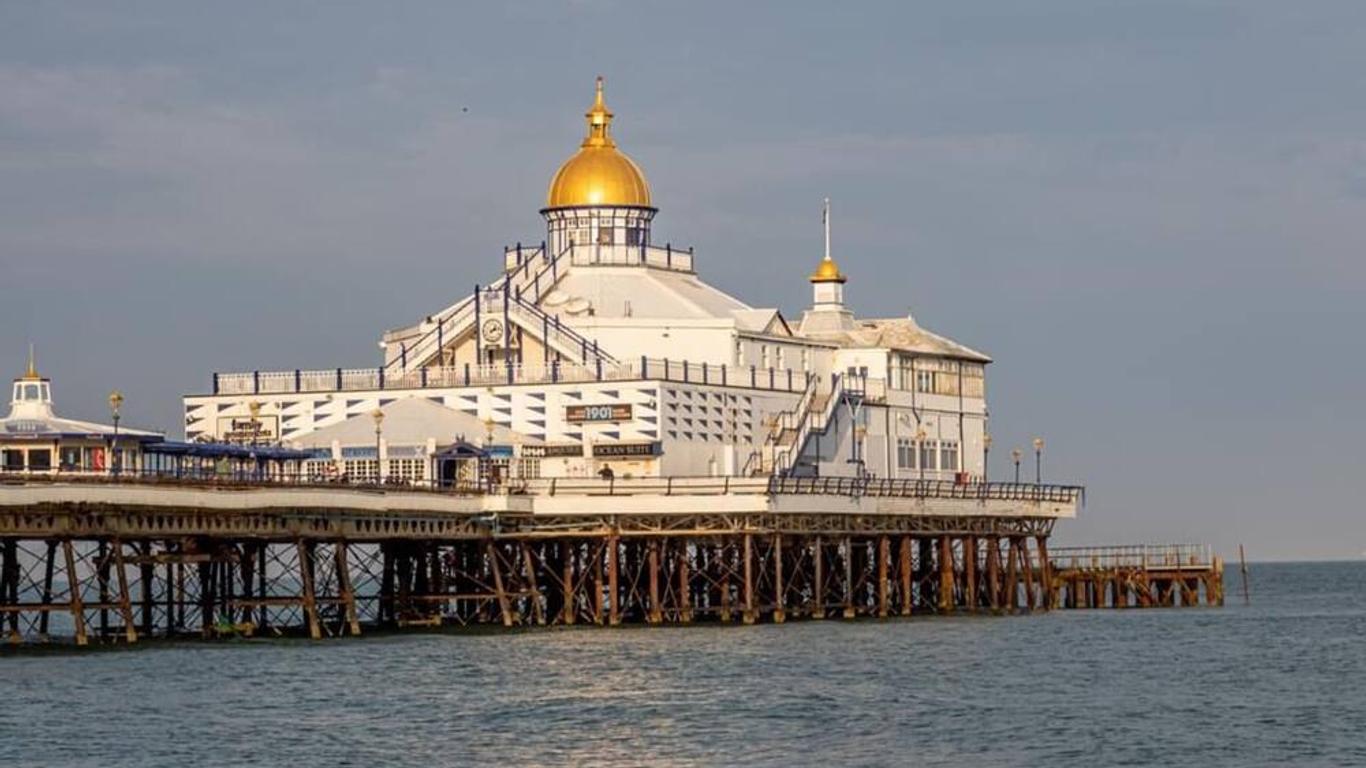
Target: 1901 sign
[{"x": 577, "y": 414}]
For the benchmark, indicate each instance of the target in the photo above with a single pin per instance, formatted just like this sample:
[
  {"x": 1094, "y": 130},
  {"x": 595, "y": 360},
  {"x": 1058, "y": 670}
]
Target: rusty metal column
[
  {"x": 684, "y": 583},
  {"x": 656, "y": 615},
  {"x": 130, "y": 632},
  {"x": 310, "y": 602},
  {"x": 529, "y": 563},
  {"x": 75, "y": 601},
  {"x": 849, "y": 610},
  {"x": 779, "y": 591},
  {"x": 818, "y": 609},
  {"x": 749, "y": 616},
  {"x": 1012, "y": 601},
  {"x": 907, "y": 599},
  {"x": 945, "y": 574},
  {"x": 884, "y": 555},
  {"x": 970, "y": 572},
  {"x": 1045, "y": 574},
  {"x": 348, "y": 595},
  {"x": 614, "y": 608},
  {"x": 567, "y": 550},
  {"x": 993, "y": 572},
  {"x": 1028, "y": 569},
  {"x": 504, "y": 606}
]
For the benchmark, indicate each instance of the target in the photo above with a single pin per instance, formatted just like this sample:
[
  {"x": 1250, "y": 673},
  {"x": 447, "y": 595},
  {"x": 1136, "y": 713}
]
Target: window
[
  {"x": 905, "y": 453},
  {"x": 40, "y": 458},
  {"x": 739, "y": 352},
  {"x": 635, "y": 236},
  {"x": 407, "y": 470},
  {"x": 30, "y": 391},
  {"x": 604, "y": 235},
  {"x": 781, "y": 357},
  {"x": 71, "y": 458},
  {"x": 361, "y": 470},
  {"x": 924, "y": 381},
  {"x": 948, "y": 455},
  {"x": 806, "y": 360},
  {"x": 927, "y": 454},
  {"x": 763, "y": 355}
]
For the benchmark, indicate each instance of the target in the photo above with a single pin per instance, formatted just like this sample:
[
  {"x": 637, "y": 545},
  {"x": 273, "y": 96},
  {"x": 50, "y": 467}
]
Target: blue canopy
[{"x": 227, "y": 451}]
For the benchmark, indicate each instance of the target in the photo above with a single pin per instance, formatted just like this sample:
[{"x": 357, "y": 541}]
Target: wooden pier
[{"x": 112, "y": 563}]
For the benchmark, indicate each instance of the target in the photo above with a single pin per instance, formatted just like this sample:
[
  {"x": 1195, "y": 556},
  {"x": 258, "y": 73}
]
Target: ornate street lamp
[
  {"x": 1038, "y": 460},
  {"x": 1015, "y": 455},
  {"x": 115, "y": 407},
  {"x": 255, "y": 408},
  {"x": 378, "y": 416},
  {"x": 920, "y": 453}
]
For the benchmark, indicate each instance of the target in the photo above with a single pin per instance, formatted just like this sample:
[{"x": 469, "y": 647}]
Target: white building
[{"x": 602, "y": 348}]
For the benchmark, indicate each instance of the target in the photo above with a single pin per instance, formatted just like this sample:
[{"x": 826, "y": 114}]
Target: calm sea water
[{"x": 1282, "y": 682}]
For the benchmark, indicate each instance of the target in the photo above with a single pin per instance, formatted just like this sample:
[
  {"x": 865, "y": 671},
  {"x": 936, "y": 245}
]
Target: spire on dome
[
  {"x": 32, "y": 373},
  {"x": 828, "y": 271},
  {"x": 599, "y": 121}
]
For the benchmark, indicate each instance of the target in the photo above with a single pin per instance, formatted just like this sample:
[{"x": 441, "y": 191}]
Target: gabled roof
[
  {"x": 765, "y": 321},
  {"x": 410, "y": 421}
]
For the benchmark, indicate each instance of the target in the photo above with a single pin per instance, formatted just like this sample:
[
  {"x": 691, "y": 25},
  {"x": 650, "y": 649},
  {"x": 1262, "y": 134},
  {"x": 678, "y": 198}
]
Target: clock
[{"x": 492, "y": 331}]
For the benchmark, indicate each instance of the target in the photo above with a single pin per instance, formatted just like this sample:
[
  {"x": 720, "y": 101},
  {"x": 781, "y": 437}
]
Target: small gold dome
[
  {"x": 827, "y": 272},
  {"x": 599, "y": 173}
]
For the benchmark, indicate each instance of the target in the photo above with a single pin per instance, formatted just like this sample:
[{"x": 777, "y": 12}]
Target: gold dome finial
[
  {"x": 599, "y": 121},
  {"x": 599, "y": 173}
]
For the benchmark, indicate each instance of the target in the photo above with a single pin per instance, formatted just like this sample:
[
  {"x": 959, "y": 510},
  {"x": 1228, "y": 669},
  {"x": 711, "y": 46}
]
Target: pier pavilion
[
  {"x": 609, "y": 349},
  {"x": 34, "y": 439}
]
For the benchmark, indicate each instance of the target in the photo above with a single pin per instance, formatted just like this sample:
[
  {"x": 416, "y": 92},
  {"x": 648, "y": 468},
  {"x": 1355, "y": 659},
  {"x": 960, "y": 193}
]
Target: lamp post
[
  {"x": 1016, "y": 454},
  {"x": 920, "y": 452},
  {"x": 1038, "y": 460},
  {"x": 378, "y": 416},
  {"x": 986, "y": 456},
  {"x": 115, "y": 407}
]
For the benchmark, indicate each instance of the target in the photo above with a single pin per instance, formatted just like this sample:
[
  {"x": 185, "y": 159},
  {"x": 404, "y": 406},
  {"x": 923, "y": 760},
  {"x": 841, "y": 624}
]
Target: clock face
[{"x": 493, "y": 331}]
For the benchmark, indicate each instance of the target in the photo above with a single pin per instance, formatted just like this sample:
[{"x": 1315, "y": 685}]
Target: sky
[{"x": 1151, "y": 214}]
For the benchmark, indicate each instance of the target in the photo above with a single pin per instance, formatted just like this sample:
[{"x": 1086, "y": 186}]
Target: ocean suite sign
[
  {"x": 578, "y": 414},
  {"x": 263, "y": 429}
]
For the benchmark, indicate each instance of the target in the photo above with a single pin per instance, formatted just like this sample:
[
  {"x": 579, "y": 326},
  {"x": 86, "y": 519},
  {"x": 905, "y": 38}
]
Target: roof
[
  {"x": 903, "y": 334},
  {"x": 53, "y": 427},
  {"x": 410, "y": 421},
  {"x": 649, "y": 293}
]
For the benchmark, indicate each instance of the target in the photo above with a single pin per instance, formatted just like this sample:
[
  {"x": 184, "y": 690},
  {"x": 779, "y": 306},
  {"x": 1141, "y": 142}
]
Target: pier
[{"x": 123, "y": 560}]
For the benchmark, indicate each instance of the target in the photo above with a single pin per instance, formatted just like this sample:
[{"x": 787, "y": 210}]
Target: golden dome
[
  {"x": 599, "y": 173},
  {"x": 827, "y": 272}
]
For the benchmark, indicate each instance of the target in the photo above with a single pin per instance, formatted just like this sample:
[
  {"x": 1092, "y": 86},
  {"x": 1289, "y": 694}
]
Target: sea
[{"x": 1280, "y": 681}]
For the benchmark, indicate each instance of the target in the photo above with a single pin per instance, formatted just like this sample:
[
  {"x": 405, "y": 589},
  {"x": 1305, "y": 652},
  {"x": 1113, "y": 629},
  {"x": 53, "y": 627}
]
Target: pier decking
[{"x": 119, "y": 561}]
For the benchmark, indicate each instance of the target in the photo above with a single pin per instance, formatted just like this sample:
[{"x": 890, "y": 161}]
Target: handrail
[
  {"x": 925, "y": 489},
  {"x": 1146, "y": 556}
]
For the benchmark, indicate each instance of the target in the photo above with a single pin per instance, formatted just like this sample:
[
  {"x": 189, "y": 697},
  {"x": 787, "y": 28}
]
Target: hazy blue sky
[{"x": 1152, "y": 214}]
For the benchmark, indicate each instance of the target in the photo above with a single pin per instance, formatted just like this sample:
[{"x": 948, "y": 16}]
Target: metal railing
[
  {"x": 927, "y": 489},
  {"x": 373, "y": 379},
  {"x": 1141, "y": 556}
]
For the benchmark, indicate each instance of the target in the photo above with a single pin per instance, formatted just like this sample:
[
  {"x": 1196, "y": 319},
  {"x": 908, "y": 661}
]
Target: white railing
[
  {"x": 369, "y": 379},
  {"x": 1144, "y": 556}
]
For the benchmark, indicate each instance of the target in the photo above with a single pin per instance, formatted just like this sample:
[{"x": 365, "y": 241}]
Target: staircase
[
  {"x": 812, "y": 414},
  {"x": 520, "y": 290}
]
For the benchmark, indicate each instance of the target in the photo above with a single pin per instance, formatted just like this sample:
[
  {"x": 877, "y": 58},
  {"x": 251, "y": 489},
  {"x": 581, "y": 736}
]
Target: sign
[
  {"x": 552, "y": 451},
  {"x": 360, "y": 452},
  {"x": 263, "y": 429},
  {"x": 578, "y": 414},
  {"x": 405, "y": 451},
  {"x": 626, "y": 449}
]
